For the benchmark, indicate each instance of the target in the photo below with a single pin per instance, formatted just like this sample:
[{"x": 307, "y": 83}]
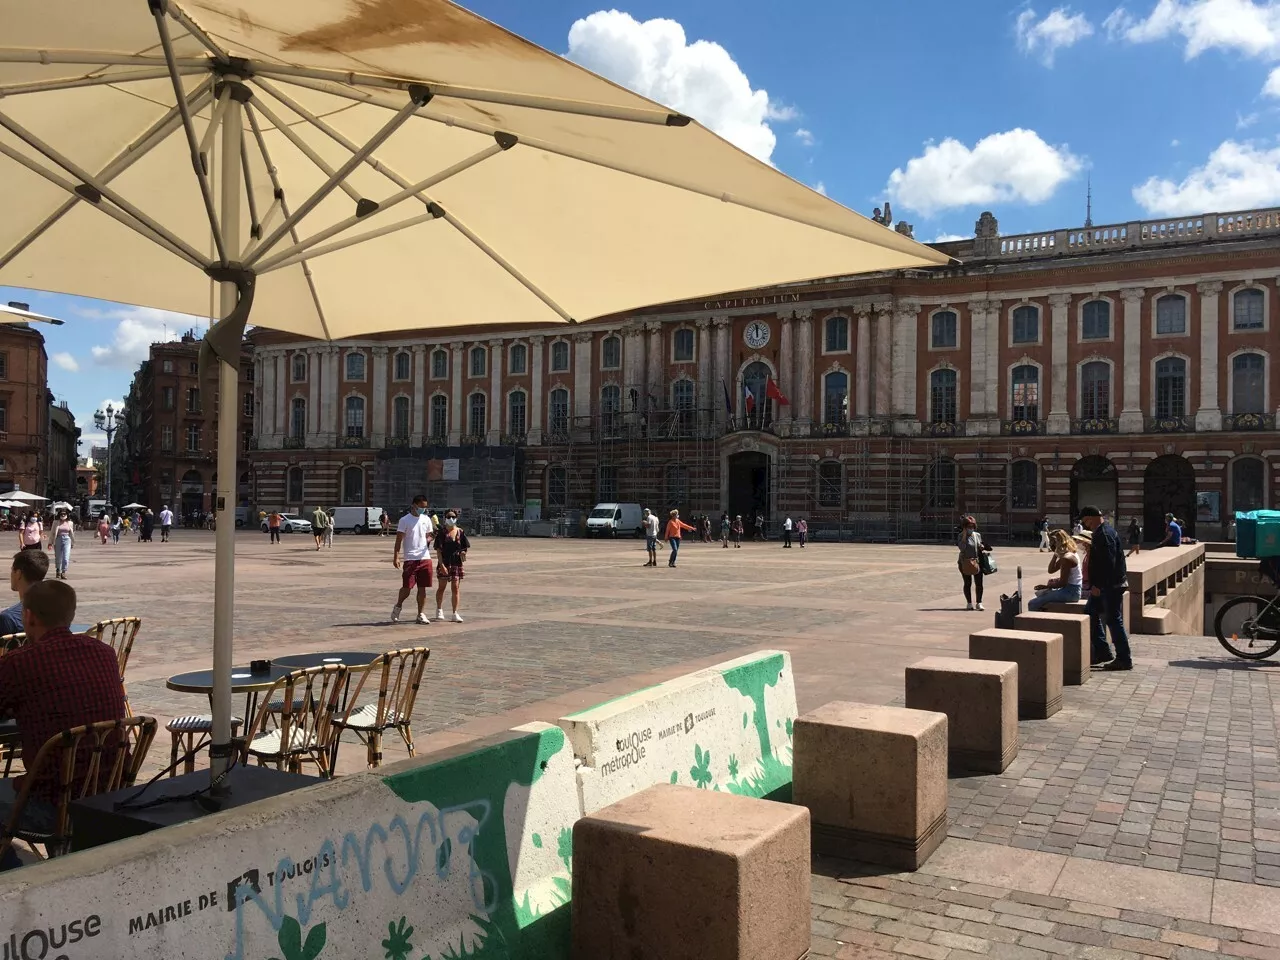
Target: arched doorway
[
  {"x": 192, "y": 490},
  {"x": 1168, "y": 486},
  {"x": 755, "y": 379},
  {"x": 1094, "y": 484},
  {"x": 749, "y": 487}
]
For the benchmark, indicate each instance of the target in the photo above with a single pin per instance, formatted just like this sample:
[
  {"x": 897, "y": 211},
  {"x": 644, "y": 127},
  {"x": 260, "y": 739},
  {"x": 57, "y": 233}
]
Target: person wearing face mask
[
  {"x": 451, "y": 552},
  {"x": 413, "y": 534}
]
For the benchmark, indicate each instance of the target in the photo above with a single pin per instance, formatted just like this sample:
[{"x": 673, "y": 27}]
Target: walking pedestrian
[
  {"x": 319, "y": 524},
  {"x": 802, "y": 531},
  {"x": 31, "y": 533},
  {"x": 971, "y": 548},
  {"x": 650, "y": 524},
  {"x": 273, "y": 526},
  {"x": 1135, "y": 537},
  {"x": 117, "y": 524},
  {"x": 705, "y": 525},
  {"x": 786, "y": 532},
  {"x": 1043, "y": 528},
  {"x": 1108, "y": 581},
  {"x": 737, "y": 532},
  {"x": 385, "y": 522},
  {"x": 759, "y": 531},
  {"x": 148, "y": 524},
  {"x": 166, "y": 523},
  {"x": 328, "y": 531},
  {"x": 451, "y": 553},
  {"x": 724, "y": 530},
  {"x": 104, "y": 528},
  {"x": 1065, "y": 588},
  {"x": 62, "y": 539},
  {"x": 674, "y": 528},
  {"x": 413, "y": 535}
]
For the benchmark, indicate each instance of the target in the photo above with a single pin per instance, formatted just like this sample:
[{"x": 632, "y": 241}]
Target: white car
[{"x": 289, "y": 523}]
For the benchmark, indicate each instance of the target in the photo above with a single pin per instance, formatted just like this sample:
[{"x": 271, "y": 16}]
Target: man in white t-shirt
[
  {"x": 166, "y": 522},
  {"x": 413, "y": 535},
  {"x": 651, "y": 537}
]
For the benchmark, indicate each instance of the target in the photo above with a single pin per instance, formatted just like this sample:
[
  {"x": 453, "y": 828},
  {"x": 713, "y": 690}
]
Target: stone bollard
[
  {"x": 1039, "y": 660},
  {"x": 875, "y": 781},
  {"x": 1074, "y": 628},
  {"x": 980, "y": 699},
  {"x": 673, "y": 873}
]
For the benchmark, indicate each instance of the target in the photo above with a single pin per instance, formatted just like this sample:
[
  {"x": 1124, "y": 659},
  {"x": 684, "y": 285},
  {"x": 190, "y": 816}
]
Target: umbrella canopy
[
  {"x": 10, "y": 314},
  {"x": 60, "y": 505},
  {"x": 134, "y": 506},
  {"x": 24, "y": 497},
  {"x": 334, "y": 168}
]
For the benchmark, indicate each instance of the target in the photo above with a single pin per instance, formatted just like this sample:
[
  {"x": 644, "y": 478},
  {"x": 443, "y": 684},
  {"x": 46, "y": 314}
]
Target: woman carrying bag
[{"x": 971, "y": 563}]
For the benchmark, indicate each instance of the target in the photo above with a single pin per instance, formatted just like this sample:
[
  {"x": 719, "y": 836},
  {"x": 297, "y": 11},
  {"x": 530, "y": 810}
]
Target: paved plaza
[{"x": 1141, "y": 820}]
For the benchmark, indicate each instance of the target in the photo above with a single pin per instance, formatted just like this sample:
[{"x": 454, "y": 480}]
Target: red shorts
[{"x": 416, "y": 572}]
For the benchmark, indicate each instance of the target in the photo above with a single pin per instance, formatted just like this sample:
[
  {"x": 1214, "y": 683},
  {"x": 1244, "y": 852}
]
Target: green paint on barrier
[
  {"x": 772, "y": 779},
  {"x": 291, "y": 944},
  {"x": 700, "y": 772},
  {"x": 750, "y": 680}
]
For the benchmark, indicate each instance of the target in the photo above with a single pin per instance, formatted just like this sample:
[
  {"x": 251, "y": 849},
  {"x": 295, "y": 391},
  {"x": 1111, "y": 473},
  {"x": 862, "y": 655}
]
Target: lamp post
[{"x": 107, "y": 422}]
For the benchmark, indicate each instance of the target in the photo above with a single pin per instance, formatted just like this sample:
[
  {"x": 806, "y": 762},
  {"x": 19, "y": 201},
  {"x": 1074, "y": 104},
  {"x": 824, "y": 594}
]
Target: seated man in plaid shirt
[{"x": 56, "y": 681}]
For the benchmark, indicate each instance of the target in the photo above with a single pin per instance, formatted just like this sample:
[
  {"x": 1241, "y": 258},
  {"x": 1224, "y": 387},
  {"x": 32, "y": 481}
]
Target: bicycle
[{"x": 1249, "y": 626}]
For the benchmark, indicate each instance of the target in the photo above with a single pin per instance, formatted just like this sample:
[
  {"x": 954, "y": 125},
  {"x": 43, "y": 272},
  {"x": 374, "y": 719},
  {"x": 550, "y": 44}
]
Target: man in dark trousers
[{"x": 1108, "y": 579}]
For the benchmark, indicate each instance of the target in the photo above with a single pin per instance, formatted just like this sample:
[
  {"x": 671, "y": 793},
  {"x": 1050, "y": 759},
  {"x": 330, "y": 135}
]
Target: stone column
[
  {"x": 1059, "y": 420},
  {"x": 977, "y": 359},
  {"x": 862, "y": 363},
  {"x": 786, "y": 371},
  {"x": 633, "y": 357},
  {"x": 331, "y": 388},
  {"x": 654, "y": 368},
  {"x": 723, "y": 374},
  {"x": 379, "y": 419},
  {"x": 903, "y": 364},
  {"x": 804, "y": 370},
  {"x": 1209, "y": 416},
  {"x": 419, "y": 429},
  {"x": 883, "y": 371},
  {"x": 582, "y": 398},
  {"x": 1131, "y": 415},
  {"x": 457, "y": 415},
  {"x": 704, "y": 373},
  {"x": 259, "y": 390},
  {"x": 496, "y": 400},
  {"x": 313, "y": 395},
  {"x": 533, "y": 415},
  {"x": 995, "y": 375},
  {"x": 268, "y": 411},
  {"x": 282, "y": 401}
]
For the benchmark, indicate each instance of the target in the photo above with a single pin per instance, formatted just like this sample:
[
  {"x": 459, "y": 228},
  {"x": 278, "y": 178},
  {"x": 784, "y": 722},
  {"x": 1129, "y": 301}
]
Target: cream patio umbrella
[
  {"x": 341, "y": 167},
  {"x": 11, "y": 314}
]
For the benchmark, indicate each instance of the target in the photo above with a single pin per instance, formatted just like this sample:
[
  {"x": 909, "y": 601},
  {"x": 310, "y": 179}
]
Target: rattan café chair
[
  {"x": 399, "y": 674},
  {"x": 119, "y": 634},
  {"x": 103, "y": 756},
  {"x": 11, "y": 749},
  {"x": 303, "y": 733}
]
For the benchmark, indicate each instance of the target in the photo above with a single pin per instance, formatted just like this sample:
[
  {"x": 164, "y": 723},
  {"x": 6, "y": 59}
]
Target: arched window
[
  {"x": 1026, "y": 392},
  {"x": 1095, "y": 323},
  {"x": 439, "y": 364},
  {"x": 558, "y": 411},
  {"x": 1095, "y": 390},
  {"x": 299, "y": 363},
  {"x": 940, "y": 485},
  {"x": 611, "y": 353},
  {"x": 677, "y": 486},
  {"x": 519, "y": 359},
  {"x": 610, "y": 408},
  {"x": 830, "y": 484},
  {"x": 557, "y": 488},
  {"x": 476, "y": 415},
  {"x": 1248, "y": 386},
  {"x": 355, "y": 365},
  {"x": 517, "y": 414},
  {"x": 682, "y": 345},
  {"x": 298, "y": 418},
  {"x": 479, "y": 361},
  {"x": 402, "y": 366},
  {"x": 439, "y": 417},
  {"x": 1171, "y": 314},
  {"x": 755, "y": 382},
  {"x": 682, "y": 395},
  {"x": 1024, "y": 484},
  {"x": 295, "y": 486},
  {"x": 355, "y": 416},
  {"x": 1026, "y": 324},
  {"x": 559, "y": 356},
  {"x": 837, "y": 338},
  {"x": 400, "y": 418},
  {"x": 943, "y": 330},
  {"x": 1171, "y": 387},
  {"x": 1247, "y": 311},
  {"x": 1248, "y": 488},
  {"x": 942, "y": 396},
  {"x": 353, "y": 485},
  {"x": 835, "y": 397}
]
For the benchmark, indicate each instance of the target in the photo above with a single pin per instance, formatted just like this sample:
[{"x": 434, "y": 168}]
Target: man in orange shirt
[{"x": 674, "y": 527}]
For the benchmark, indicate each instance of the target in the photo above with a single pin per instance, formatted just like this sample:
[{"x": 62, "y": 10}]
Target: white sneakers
[
  {"x": 457, "y": 617},
  {"x": 422, "y": 618},
  {"x": 439, "y": 614},
  {"x": 968, "y": 606},
  {"x": 395, "y": 613},
  {"x": 981, "y": 607}
]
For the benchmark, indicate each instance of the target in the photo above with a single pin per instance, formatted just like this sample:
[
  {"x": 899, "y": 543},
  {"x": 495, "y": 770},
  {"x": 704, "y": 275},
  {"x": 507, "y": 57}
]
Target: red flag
[{"x": 772, "y": 392}]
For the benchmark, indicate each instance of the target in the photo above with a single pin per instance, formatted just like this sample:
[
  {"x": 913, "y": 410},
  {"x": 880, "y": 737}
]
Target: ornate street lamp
[{"x": 107, "y": 422}]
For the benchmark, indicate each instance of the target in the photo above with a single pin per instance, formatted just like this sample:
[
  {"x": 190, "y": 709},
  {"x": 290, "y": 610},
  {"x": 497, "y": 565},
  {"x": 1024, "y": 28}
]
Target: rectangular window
[
  {"x": 516, "y": 416},
  {"x": 1026, "y": 324},
  {"x": 248, "y": 405},
  {"x": 355, "y": 366},
  {"x": 193, "y": 368},
  {"x": 1247, "y": 310},
  {"x": 400, "y": 418},
  {"x": 166, "y": 398},
  {"x": 683, "y": 345},
  {"x": 1095, "y": 391},
  {"x": 479, "y": 361},
  {"x": 166, "y": 366},
  {"x": 193, "y": 438},
  {"x": 837, "y": 334},
  {"x": 439, "y": 365},
  {"x": 559, "y": 357},
  {"x": 607, "y": 485},
  {"x": 402, "y": 366},
  {"x": 1171, "y": 388},
  {"x": 519, "y": 361},
  {"x": 439, "y": 417},
  {"x": 193, "y": 400},
  {"x": 612, "y": 353},
  {"x": 166, "y": 437},
  {"x": 943, "y": 331},
  {"x": 1096, "y": 320},
  {"x": 4, "y": 417},
  {"x": 1171, "y": 314}
]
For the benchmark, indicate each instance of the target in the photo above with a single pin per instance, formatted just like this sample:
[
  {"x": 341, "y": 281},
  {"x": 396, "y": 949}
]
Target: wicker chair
[
  {"x": 303, "y": 734},
  {"x": 84, "y": 761},
  {"x": 11, "y": 750},
  {"x": 120, "y": 634},
  {"x": 182, "y": 739},
  {"x": 399, "y": 675},
  {"x": 11, "y": 641}
]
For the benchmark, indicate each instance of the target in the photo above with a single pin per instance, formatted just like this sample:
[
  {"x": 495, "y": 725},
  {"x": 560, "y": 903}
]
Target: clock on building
[{"x": 756, "y": 336}]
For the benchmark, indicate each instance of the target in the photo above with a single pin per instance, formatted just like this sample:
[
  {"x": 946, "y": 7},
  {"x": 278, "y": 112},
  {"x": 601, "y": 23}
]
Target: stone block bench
[
  {"x": 980, "y": 699},
  {"x": 675, "y": 873},
  {"x": 1074, "y": 629},
  {"x": 1039, "y": 660},
  {"x": 1075, "y": 606},
  {"x": 874, "y": 780}
]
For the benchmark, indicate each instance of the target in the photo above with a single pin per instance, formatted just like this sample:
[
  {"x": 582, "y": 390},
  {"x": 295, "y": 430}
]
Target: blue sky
[{"x": 948, "y": 109}]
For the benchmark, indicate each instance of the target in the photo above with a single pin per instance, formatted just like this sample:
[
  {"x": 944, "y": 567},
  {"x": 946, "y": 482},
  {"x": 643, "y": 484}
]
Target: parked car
[
  {"x": 357, "y": 519},
  {"x": 612, "y": 519},
  {"x": 289, "y": 523}
]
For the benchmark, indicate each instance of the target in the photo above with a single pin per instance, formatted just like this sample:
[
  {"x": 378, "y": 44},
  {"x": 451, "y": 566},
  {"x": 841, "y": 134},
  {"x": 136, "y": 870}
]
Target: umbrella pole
[{"x": 224, "y": 571}]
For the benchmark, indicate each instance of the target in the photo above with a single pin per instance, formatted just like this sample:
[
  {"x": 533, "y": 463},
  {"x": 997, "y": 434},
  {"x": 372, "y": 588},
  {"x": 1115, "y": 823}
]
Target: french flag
[{"x": 749, "y": 399}]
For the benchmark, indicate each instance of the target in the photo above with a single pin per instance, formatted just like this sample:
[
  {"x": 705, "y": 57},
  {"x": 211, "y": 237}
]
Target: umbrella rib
[
  {"x": 291, "y": 135},
  {"x": 126, "y": 158},
  {"x": 433, "y": 213},
  {"x": 410, "y": 191},
  {"x": 93, "y": 80},
  {"x": 255, "y": 227},
  {"x": 196, "y": 31},
  {"x": 94, "y": 58}
]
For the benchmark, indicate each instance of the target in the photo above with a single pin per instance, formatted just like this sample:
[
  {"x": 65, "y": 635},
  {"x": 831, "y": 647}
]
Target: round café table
[
  {"x": 354, "y": 661},
  {"x": 243, "y": 680}
]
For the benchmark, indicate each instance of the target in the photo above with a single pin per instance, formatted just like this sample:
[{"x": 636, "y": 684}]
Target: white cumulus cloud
[
  {"x": 701, "y": 79},
  {"x": 1016, "y": 166},
  {"x": 820, "y": 187},
  {"x": 948, "y": 238},
  {"x": 1059, "y": 29},
  {"x": 1272, "y": 87},
  {"x": 66, "y": 361},
  {"x": 1243, "y": 26},
  {"x": 136, "y": 329},
  {"x": 1236, "y": 176},
  {"x": 804, "y": 135}
]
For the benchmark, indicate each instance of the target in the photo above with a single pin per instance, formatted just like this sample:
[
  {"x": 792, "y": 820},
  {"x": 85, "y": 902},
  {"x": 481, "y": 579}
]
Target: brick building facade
[
  {"x": 24, "y": 409},
  {"x": 1128, "y": 366}
]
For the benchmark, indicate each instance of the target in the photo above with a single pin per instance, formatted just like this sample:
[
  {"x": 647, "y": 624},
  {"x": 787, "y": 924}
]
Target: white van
[
  {"x": 357, "y": 519},
  {"x": 614, "y": 519}
]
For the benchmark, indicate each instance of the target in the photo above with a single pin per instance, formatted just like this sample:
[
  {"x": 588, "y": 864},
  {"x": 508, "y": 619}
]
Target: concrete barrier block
[
  {"x": 874, "y": 780},
  {"x": 727, "y": 727},
  {"x": 980, "y": 699},
  {"x": 1074, "y": 628},
  {"x": 1039, "y": 660},
  {"x": 683, "y": 874}
]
